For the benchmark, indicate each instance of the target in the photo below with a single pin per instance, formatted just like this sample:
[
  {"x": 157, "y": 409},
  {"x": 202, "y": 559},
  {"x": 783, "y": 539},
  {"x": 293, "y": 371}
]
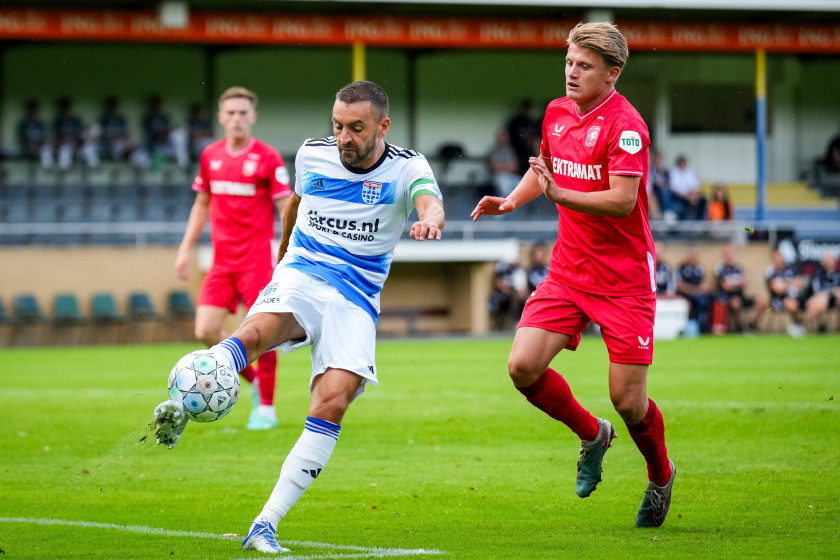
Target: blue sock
[{"x": 234, "y": 351}]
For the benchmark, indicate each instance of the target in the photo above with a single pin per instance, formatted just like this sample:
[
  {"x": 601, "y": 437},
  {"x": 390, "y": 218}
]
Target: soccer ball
[{"x": 207, "y": 385}]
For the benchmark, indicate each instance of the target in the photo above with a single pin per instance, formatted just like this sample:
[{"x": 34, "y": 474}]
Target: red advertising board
[{"x": 414, "y": 32}]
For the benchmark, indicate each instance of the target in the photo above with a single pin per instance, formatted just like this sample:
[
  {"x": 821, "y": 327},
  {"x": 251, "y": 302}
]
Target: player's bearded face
[{"x": 358, "y": 131}]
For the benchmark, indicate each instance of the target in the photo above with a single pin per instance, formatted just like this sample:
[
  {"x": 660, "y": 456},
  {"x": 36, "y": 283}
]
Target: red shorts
[
  {"x": 225, "y": 287},
  {"x": 626, "y": 322}
]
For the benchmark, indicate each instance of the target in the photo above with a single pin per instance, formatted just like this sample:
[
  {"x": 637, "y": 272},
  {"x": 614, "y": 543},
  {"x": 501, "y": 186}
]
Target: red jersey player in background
[
  {"x": 239, "y": 183},
  {"x": 594, "y": 156}
]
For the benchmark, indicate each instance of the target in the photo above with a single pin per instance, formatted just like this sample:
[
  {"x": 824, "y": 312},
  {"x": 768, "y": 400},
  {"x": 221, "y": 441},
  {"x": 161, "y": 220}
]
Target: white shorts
[{"x": 341, "y": 333}]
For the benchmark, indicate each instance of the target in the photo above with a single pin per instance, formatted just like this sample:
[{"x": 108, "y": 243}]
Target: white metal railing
[{"x": 730, "y": 231}]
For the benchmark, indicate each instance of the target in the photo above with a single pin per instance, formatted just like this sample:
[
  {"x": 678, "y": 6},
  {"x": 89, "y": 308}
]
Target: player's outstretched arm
[
  {"x": 289, "y": 219},
  {"x": 430, "y": 218},
  {"x": 617, "y": 202},
  {"x": 527, "y": 190},
  {"x": 199, "y": 214}
]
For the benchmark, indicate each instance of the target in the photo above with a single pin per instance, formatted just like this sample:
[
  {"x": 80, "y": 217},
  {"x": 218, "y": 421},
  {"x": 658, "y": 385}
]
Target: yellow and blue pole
[
  {"x": 761, "y": 131},
  {"x": 359, "y": 62}
]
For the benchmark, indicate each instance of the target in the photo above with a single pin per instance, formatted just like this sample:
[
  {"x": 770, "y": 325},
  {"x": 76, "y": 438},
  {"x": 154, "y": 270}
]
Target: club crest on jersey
[
  {"x": 371, "y": 192},
  {"x": 592, "y": 135},
  {"x": 249, "y": 167},
  {"x": 215, "y": 164}
]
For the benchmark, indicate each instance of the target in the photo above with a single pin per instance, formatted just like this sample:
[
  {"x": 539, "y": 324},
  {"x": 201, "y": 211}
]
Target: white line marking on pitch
[{"x": 361, "y": 552}]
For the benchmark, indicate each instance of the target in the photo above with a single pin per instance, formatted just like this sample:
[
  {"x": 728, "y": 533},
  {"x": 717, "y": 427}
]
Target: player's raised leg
[
  {"x": 332, "y": 393},
  {"x": 533, "y": 349}
]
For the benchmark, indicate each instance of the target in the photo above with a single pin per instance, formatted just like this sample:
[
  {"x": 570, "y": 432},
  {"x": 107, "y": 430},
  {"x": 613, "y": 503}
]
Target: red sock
[
  {"x": 649, "y": 437},
  {"x": 249, "y": 373},
  {"x": 267, "y": 372},
  {"x": 551, "y": 394}
]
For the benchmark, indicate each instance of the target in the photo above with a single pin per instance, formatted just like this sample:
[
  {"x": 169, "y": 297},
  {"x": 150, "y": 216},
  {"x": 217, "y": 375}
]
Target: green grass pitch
[{"x": 444, "y": 460}]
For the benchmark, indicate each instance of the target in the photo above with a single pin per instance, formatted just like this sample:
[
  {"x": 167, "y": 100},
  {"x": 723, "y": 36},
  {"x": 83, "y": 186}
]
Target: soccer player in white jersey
[{"x": 353, "y": 195}]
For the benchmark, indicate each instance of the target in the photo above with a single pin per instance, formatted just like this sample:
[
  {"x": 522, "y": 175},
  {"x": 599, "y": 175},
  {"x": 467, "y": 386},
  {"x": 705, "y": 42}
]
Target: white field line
[{"x": 360, "y": 551}]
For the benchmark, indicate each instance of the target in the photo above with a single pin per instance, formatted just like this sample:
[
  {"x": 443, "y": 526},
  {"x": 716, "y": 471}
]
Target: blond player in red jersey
[
  {"x": 593, "y": 157},
  {"x": 240, "y": 182}
]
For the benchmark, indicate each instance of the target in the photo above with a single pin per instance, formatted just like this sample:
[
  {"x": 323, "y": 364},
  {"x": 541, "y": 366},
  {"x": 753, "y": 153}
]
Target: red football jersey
[
  {"x": 598, "y": 254},
  {"x": 243, "y": 186}
]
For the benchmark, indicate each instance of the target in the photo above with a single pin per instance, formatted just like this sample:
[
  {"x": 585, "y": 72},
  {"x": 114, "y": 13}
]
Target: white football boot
[{"x": 170, "y": 421}]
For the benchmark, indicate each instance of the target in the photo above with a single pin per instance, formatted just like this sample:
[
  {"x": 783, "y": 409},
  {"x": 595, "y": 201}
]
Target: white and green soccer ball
[{"x": 206, "y": 384}]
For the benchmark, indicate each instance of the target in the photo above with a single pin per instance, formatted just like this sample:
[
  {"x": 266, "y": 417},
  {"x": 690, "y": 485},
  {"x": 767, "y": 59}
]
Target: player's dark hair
[
  {"x": 358, "y": 92},
  {"x": 603, "y": 38},
  {"x": 236, "y": 91}
]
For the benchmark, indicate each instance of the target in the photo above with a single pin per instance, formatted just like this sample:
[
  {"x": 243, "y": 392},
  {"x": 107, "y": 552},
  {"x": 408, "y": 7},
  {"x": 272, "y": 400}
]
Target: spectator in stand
[
  {"x": 162, "y": 139},
  {"x": 504, "y": 165},
  {"x": 522, "y": 129},
  {"x": 539, "y": 265},
  {"x": 666, "y": 286},
  {"x": 32, "y": 136},
  {"x": 691, "y": 285},
  {"x": 114, "y": 138},
  {"x": 72, "y": 140},
  {"x": 200, "y": 130},
  {"x": 832, "y": 154},
  {"x": 507, "y": 298},
  {"x": 720, "y": 207},
  {"x": 784, "y": 287},
  {"x": 660, "y": 185},
  {"x": 686, "y": 199},
  {"x": 730, "y": 299},
  {"x": 825, "y": 291}
]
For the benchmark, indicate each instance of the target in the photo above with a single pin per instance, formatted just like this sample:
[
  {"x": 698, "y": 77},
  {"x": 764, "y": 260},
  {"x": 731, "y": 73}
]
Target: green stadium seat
[
  {"x": 66, "y": 309},
  {"x": 27, "y": 309},
  {"x": 181, "y": 305},
  {"x": 140, "y": 307},
  {"x": 104, "y": 308}
]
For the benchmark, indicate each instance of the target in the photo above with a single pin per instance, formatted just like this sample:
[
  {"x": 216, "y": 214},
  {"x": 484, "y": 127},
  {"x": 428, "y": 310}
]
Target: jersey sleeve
[
  {"x": 201, "y": 183},
  {"x": 628, "y": 147},
  {"x": 420, "y": 180},
  {"x": 300, "y": 167},
  {"x": 278, "y": 176}
]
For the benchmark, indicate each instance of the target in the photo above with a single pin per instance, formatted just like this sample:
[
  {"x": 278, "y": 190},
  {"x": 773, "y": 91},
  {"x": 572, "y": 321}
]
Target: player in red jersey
[
  {"x": 240, "y": 182},
  {"x": 593, "y": 157}
]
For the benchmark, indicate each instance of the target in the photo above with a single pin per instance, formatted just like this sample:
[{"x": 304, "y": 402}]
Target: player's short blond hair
[
  {"x": 235, "y": 92},
  {"x": 603, "y": 38}
]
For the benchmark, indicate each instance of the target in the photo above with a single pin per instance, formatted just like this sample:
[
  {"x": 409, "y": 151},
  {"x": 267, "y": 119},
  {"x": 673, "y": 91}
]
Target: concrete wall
[{"x": 459, "y": 287}]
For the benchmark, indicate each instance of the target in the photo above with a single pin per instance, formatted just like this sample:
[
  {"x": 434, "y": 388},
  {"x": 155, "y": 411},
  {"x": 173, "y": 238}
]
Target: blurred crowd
[
  {"x": 65, "y": 139},
  {"x": 801, "y": 297}
]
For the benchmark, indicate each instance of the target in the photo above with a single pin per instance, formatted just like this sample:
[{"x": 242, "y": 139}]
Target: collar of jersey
[
  {"x": 598, "y": 108},
  {"x": 360, "y": 171}
]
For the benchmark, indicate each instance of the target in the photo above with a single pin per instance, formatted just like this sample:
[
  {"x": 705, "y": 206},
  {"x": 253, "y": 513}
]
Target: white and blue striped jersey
[{"x": 349, "y": 220}]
